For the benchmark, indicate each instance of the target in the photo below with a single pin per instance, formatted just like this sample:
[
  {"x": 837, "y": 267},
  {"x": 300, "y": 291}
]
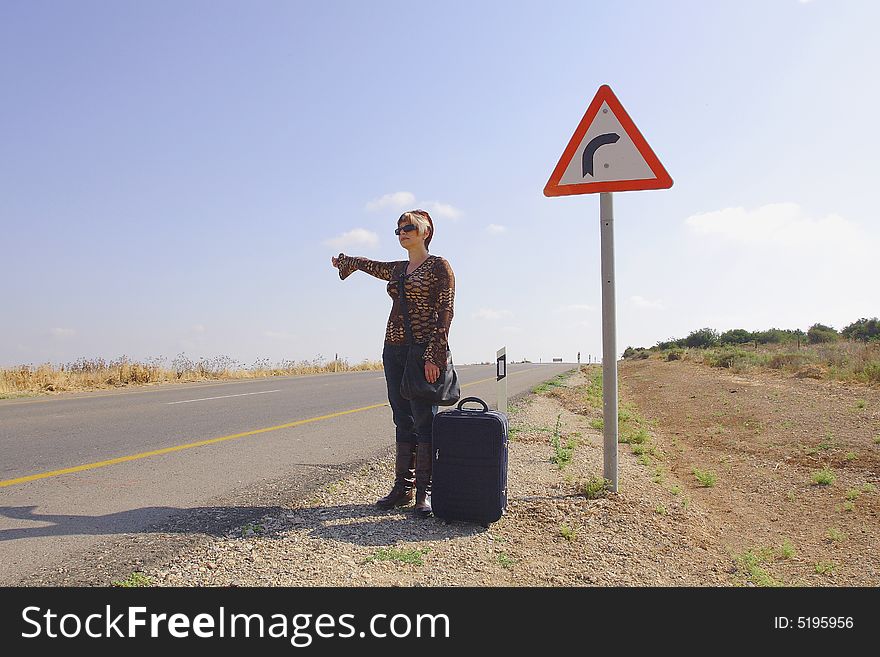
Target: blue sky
[{"x": 174, "y": 176}]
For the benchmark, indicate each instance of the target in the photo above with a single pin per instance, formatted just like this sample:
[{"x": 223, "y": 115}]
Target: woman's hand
[
  {"x": 334, "y": 261},
  {"x": 432, "y": 372}
]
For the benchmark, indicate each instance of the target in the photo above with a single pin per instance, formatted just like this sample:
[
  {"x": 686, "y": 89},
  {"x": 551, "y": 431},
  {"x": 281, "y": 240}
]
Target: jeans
[{"x": 412, "y": 419}]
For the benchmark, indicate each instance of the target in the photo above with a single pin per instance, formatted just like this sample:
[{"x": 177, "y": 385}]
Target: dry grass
[
  {"x": 843, "y": 360},
  {"x": 85, "y": 374}
]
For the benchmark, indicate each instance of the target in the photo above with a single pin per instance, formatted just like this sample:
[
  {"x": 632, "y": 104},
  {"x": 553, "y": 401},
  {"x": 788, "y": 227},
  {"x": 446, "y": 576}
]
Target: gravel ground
[{"x": 551, "y": 534}]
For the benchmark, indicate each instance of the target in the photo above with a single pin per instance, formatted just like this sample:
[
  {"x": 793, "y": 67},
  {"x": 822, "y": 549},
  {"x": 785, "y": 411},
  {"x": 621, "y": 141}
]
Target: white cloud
[
  {"x": 400, "y": 201},
  {"x": 495, "y": 229},
  {"x": 776, "y": 224},
  {"x": 279, "y": 335},
  {"x": 492, "y": 314},
  {"x": 354, "y": 238},
  {"x": 774, "y": 265},
  {"x": 395, "y": 201},
  {"x": 443, "y": 210},
  {"x": 575, "y": 307},
  {"x": 62, "y": 332},
  {"x": 642, "y": 302}
]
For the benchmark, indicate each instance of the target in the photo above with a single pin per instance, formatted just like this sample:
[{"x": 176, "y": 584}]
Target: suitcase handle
[{"x": 473, "y": 399}]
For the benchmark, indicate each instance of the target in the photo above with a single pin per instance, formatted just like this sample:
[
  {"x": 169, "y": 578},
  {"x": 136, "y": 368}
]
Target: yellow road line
[
  {"x": 177, "y": 448},
  {"x": 200, "y": 443}
]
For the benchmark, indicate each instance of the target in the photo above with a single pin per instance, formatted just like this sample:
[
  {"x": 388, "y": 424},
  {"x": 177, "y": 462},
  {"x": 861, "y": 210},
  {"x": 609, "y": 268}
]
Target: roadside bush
[
  {"x": 776, "y": 336},
  {"x": 736, "y": 336},
  {"x": 725, "y": 357},
  {"x": 705, "y": 337},
  {"x": 594, "y": 487},
  {"x": 674, "y": 354},
  {"x": 863, "y": 330},
  {"x": 671, "y": 343},
  {"x": 819, "y": 333},
  {"x": 871, "y": 372}
]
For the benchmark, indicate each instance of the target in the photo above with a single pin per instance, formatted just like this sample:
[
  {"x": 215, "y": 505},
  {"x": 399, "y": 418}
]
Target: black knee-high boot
[{"x": 404, "y": 476}]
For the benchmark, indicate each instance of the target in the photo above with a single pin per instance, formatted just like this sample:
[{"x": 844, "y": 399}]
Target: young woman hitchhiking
[{"x": 429, "y": 286}]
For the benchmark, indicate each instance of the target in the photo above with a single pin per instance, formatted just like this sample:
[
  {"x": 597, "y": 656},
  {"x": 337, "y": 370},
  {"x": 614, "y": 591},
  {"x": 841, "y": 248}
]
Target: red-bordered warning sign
[{"x": 606, "y": 153}]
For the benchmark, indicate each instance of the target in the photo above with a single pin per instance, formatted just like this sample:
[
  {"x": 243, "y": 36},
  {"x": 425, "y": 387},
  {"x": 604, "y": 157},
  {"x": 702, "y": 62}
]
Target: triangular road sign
[{"x": 607, "y": 153}]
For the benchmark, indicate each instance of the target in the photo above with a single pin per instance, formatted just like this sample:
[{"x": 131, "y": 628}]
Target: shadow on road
[
  {"x": 215, "y": 521},
  {"x": 361, "y": 524}
]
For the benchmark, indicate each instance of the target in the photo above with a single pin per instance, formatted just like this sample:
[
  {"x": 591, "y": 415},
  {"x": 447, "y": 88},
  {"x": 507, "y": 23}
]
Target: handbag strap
[{"x": 406, "y": 325}]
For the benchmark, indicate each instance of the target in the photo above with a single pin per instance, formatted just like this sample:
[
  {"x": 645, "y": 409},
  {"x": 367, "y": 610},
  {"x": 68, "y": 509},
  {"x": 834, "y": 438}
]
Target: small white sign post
[
  {"x": 501, "y": 378},
  {"x": 606, "y": 154}
]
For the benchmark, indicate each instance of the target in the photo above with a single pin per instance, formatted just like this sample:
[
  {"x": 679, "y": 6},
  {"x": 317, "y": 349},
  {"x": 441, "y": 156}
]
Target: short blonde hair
[{"x": 419, "y": 219}]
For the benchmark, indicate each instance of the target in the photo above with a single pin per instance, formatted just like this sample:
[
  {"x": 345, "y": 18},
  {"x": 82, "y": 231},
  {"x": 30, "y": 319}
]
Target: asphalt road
[{"x": 79, "y": 468}]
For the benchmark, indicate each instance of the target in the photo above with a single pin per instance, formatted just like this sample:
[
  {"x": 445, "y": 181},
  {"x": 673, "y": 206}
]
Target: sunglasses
[{"x": 406, "y": 229}]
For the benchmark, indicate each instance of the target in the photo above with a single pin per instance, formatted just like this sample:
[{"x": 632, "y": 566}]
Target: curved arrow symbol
[{"x": 593, "y": 146}]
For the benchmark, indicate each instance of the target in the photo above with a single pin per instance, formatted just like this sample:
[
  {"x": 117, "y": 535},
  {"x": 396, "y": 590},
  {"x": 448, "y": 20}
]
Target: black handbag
[{"x": 445, "y": 391}]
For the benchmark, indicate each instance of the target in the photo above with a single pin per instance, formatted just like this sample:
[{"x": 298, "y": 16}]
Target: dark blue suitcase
[{"x": 469, "y": 480}]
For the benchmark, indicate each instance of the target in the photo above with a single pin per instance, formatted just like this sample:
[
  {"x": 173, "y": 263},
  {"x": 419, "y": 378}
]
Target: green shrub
[
  {"x": 413, "y": 557},
  {"x": 595, "y": 487},
  {"x": 505, "y": 560},
  {"x": 819, "y": 333},
  {"x": 863, "y": 329},
  {"x": 635, "y": 437},
  {"x": 639, "y": 353},
  {"x": 777, "y": 336},
  {"x": 871, "y": 373},
  {"x": 671, "y": 343},
  {"x": 135, "y": 580},
  {"x": 825, "y": 567},
  {"x": 787, "y": 551},
  {"x": 725, "y": 357},
  {"x": 702, "y": 338},
  {"x": 706, "y": 478},
  {"x": 751, "y": 563},
  {"x": 823, "y": 477},
  {"x": 835, "y": 535},
  {"x": 736, "y": 336}
]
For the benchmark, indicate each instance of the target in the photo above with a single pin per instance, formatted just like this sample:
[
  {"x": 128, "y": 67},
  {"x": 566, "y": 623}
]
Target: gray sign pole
[{"x": 609, "y": 338}]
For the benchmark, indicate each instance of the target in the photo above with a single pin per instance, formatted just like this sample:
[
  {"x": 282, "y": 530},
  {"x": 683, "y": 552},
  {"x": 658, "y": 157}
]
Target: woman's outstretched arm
[{"x": 348, "y": 264}]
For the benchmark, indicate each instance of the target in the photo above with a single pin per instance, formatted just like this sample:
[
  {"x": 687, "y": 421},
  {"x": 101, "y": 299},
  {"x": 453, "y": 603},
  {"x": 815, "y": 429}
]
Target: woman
[{"x": 429, "y": 286}]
